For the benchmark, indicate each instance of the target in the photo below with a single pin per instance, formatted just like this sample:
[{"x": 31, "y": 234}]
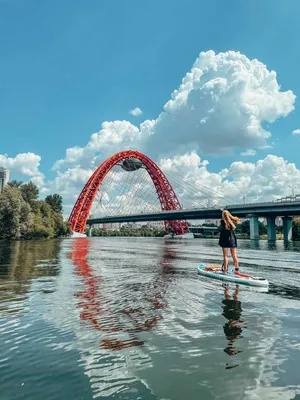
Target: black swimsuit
[{"x": 227, "y": 237}]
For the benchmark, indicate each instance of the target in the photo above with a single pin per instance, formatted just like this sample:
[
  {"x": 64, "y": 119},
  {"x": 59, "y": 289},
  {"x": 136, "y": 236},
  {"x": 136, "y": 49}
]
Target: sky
[{"x": 207, "y": 89}]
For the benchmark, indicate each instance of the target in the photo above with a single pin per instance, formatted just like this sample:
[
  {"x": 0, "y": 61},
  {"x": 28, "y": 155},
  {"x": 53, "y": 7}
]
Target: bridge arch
[{"x": 166, "y": 194}]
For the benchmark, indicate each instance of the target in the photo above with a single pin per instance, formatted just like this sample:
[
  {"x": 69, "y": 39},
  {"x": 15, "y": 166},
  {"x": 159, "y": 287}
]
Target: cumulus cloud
[
  {"x": 112, "y": 137},
  {"x": 136, "y": 112},
  {"x": 296, "y": 132},
  {"x": 267, "y": 179},
  {"x": 221, "y": 106},
  {"x": 249, "y": 152},
  {"x": 26, "y": 164},
  {"x": 70, "y": 182}
]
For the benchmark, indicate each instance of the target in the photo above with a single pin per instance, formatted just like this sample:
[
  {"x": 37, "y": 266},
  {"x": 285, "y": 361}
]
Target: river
[{"x": 130, "y": 318}]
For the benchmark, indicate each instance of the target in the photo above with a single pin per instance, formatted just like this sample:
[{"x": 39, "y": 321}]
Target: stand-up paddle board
[{"x": 215, "y": 272}]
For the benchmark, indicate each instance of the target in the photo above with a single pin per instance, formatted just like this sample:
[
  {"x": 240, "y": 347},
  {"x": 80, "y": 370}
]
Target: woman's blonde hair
[{"x": 229, "y": 220}]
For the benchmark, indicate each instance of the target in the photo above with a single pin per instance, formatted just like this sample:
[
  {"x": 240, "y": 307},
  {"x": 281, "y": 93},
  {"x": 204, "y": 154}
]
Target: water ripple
[{"x": 122, "y": 318}]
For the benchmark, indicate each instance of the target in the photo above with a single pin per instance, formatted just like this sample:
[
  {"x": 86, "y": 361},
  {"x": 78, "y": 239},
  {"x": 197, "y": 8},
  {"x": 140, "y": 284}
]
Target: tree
[
  {"x": 13, "y": 213},
  {"x": 245, "y": 227},
  {"x": 22, "y": 216},
  {"x": 262, "y": 228},
  {"x": 296, "y": 228},
  {"x": 55, "y": 202},
  {"x": 15, "y": 184},
  {"x": 30, "y": 192}
]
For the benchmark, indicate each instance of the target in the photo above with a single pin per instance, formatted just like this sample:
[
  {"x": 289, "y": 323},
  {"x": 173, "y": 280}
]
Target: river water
[{"x": 130, "y": 318}]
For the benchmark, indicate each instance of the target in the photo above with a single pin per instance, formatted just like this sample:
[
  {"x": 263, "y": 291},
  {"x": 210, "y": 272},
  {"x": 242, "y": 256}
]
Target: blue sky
[{"x": 68, "y": 66}]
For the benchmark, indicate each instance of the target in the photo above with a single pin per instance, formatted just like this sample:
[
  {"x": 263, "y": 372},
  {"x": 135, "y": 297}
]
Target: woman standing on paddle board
[{"x": 228, "y": 239}]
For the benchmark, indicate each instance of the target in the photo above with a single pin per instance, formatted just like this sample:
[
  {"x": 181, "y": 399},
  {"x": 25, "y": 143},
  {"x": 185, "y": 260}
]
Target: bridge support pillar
[
  {"x": 90, "y": 230},
  {"x": 271, "y": 228},
  {"x": 254, "y": 231},
  {"x": 287, "y": 228}
]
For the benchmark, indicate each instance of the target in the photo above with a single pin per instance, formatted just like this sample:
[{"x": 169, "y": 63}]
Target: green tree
[
  {"x": 55, "y": 202},
  {"x": 26, "y": 218},
  {"x": 15, "y": 184},
  {"x": 30, "y": 192},
  {"x": 296, "y": 228},
  {"x": 23, "y": 216},
  {"x": 245, "y": 227},
  {"x": 262, "y": 228},
  {"x": 14, "y": 213}
]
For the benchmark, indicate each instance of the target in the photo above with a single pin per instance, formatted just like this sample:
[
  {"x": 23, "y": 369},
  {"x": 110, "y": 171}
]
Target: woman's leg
[
  {"x": 236, "y": 293},
  {"x": 225, "y": 259},
  {"x": 234, "y": 257}
]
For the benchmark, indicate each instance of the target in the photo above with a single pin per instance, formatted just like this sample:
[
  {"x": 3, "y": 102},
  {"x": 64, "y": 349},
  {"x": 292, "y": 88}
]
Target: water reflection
[
  {"x": 119, "y": 321},
  {"x": 20, "y": 261},
  {"x": 232, "y": 311},
  {"x": 134, "y": 309}
]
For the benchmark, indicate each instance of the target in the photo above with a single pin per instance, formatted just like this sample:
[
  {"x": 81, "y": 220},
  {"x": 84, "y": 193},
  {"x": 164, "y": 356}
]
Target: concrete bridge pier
[
  {"x": 90, "y": 230},
  {"x": 287, "y": 228},
  {"x": 271, "y": 228},
  {"x": 254, "y": 230}
]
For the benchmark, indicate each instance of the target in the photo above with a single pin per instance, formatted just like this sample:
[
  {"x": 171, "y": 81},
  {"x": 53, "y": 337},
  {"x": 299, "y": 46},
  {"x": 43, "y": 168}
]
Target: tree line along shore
[
  {"x": 242, "y": 231},
  {"x": 24, "y": 216}
]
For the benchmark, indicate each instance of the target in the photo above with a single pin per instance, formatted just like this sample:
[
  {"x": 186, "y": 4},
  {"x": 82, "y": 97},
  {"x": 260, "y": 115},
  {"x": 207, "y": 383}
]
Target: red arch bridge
[{"x": 130, "y": 187}]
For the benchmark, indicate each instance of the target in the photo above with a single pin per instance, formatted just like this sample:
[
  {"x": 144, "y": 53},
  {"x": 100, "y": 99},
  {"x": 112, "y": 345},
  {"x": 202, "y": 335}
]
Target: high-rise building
[{"x": 4, "y": 177}]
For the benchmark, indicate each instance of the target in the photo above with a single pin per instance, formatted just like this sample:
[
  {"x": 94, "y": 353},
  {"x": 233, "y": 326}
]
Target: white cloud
[
  {"x": 112, "y": 137},
  {"x": 249, "y": 152},
  {"x": 70, "y": 182},
  {"x": 38, "y": 180},
  {"x": 23, "y": 163},
  {"x": 267, "y": 179},
  {"x": 26, "y": 164},
  {"x": 136, "y": 112},
  {"x": 296, "y": 132},
  {"x": 220, "y": 106},
  {"x": 69, "y": 185}
]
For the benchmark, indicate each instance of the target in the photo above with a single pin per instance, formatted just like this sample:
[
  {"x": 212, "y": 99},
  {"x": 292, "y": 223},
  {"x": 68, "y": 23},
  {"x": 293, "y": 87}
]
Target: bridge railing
[
  {"x": 264, "y": 203},
  {"x": 229, "y": 207}
]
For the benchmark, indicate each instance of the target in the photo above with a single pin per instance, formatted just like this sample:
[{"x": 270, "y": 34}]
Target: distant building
[
  {"x": 131, "y": 225},
  {"x": 4, "y": 177},
  {"x": 156, "y": 224},
  {"x": 109, "y": 227},
  {"x": 278, "y": 221}
]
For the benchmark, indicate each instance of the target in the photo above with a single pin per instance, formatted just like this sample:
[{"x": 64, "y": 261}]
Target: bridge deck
[{"x": 266, "y": 209}]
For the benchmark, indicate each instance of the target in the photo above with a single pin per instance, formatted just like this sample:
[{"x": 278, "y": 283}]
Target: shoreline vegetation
[
  {"x": 24, "y": 216},
  {"x": 242, "y": 231}
]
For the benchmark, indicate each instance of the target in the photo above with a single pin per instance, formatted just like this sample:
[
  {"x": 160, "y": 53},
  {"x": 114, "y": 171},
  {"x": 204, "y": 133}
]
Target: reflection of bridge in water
[
  {"x": 117, "y": 319},
  {"x": 100, "y": 311},
  {"x": 130, "y": 187}
]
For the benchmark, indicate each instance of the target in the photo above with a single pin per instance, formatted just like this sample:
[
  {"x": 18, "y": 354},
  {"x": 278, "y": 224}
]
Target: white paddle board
[{"x": 215, "y": 272}]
